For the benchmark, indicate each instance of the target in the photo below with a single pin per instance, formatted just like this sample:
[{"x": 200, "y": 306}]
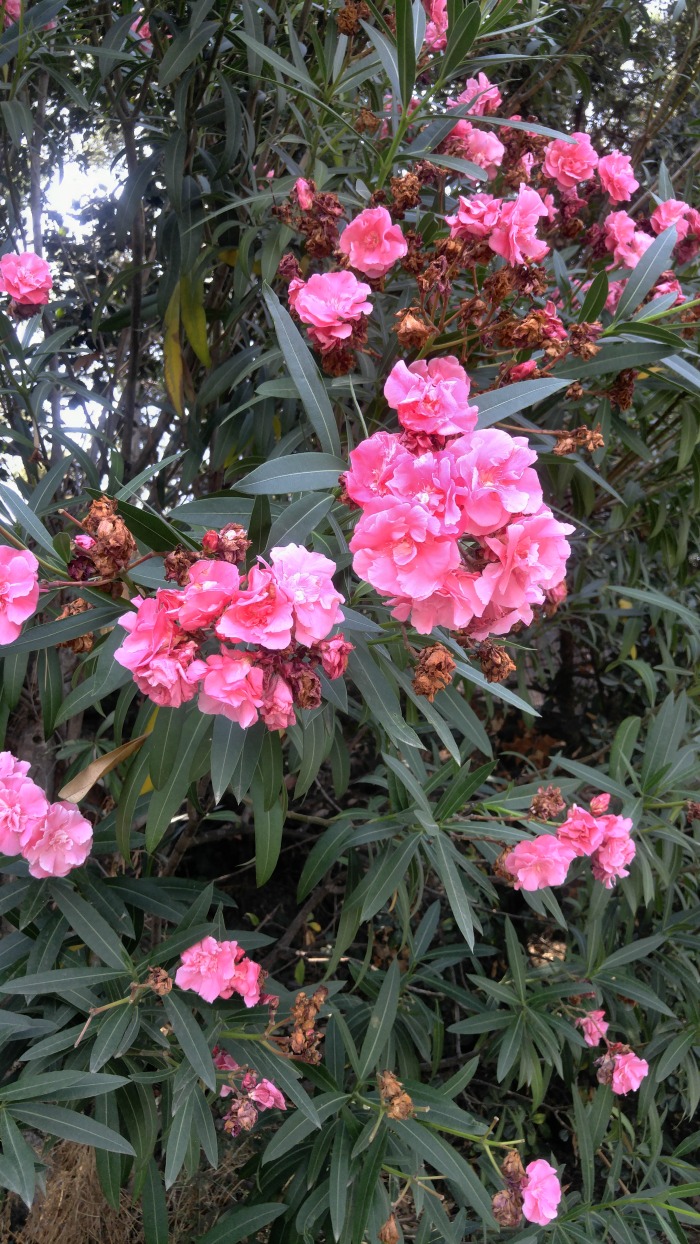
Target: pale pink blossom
[
  {"x": 541, "y": 1192},
  {"x": 57, "y": 843},
  {"x": 334, "y": 655},
  {"x": 330, "y": 304},
  {"x": 628, "y": 1073},
  {"x": 581, "y": 831},
  {"x": 372, "y": 466},
  {"x": 531, "y": 555},
  {"x": 669, "y": 286},
  {"x": 495, "y": 480},
  {"x": 599, "y": 804},
  {"x": 222, "y": 1060},
  {"x": 514, "y": 237},
  {"x": 19, "y": 590},
  {"x": 431, "y": 396},
  {"x": 395, "y": 551},
  {"x": 23, "y": 805},
  {"x": 616, "y": 851},
  {"x": 672, "y": 212},
  {"x": 615, "y": 291},
  {"x": 539, "y": 862},
  {"x": 482, "y": 147},
  {"x": 260, "y": 614},
  {"x": 212, "y": 587},
  {"x": 231, "y": 686},
  {"x": 26, "y": 278},
  {"x": 427, "y": 481},
  {"x": 208, "y": 968},
  {"x": 267, "y": 1096},
  {"x": 372, "y": 242},
  {"x": 306, "y": 579},
  {"x": 475, "y": 216},
  {"x": 617, "y": 176},
  {"x": 629, "y": 253},
  {"x": 485, "y": 95},
  {"x": 277, "y": 708},
  {"x": 453, "y": 605},
  {"x": 570, "y": 163},
  {"x": 304, "y": 194},
  {"x": 594, "y": 1027},
  {"x": 436, "y": 29},
  {"x": 157, "y": 652}
]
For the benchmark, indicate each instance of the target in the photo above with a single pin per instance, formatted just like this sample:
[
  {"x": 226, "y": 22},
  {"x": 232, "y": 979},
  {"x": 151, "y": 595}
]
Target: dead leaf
[{"x": 78, "y": 787}]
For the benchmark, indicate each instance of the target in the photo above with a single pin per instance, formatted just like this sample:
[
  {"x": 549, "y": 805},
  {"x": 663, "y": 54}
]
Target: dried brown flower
[
  {"x": 398, "y": 1104},
  {"x": 389, "y": 1231},
  {"x": 405, "y": 192},
  {"x": 159, "y": 981},
  {"x": 495, "y": 663},
  {"x": 582, "y": 437},
  {"x": 366, "y": 122},
  {"x": 229, "y": 545},
  {"x": 433, "y": 672},
  {"x": 411, "y": 329},
  {"x": 621, "y": 392},
  {"x": 692, "y": 811},
  {"x": 583, "y": 339},
  {"x": 288, "y": 268},
  {"x": 177, "y": 565},
  {"x": 575, "y": 391},
  {"x": 114, "y": 544},
  {"x": 83, "y": 643},
  {"x": 547, "y": 803},
  {"x": 348, "y": 18}
]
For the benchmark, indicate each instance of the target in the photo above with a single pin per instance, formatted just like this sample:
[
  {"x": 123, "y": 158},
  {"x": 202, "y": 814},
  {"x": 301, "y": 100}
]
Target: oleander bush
[{"x": 348, "y": 611}]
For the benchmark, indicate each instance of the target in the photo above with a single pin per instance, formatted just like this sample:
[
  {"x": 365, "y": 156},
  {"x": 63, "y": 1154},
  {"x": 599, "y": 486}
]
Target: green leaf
[
  {"x": 50, "y": 682},
  {"x": 60, "y": 1084},
  {"x": 293, "y": 473},
  {"x": 26, "y": 519},
  {"x": 94, "y": 930},
  {"x": 269, "y": 823},
  {"x": 297, "y": 521},
  {"x": 650, "y": 596},
  {"x": 340, "y": 1163},
  {"x": 384, "y": 877},
  {"x": 512, "y": 398},
  {"x": 379, "y": 696},
  {"x": 406, "y": 55},
  {"x": 192, "y": 1040},
  {"x": 179, "y": 1135},
  {"x": 242, "y": 1223},
  {"x": 227, "y": 742},
  {"x": 647, "y": 272},
  {"x": 664, "y": 738},
  {"x": 639, "y": 949},
  {"x": 297, "y": 1127},
  {"x": 381, "y": 1021},
  {"x": 156, "y": 1227},
  {"x": 684, "y": 371},
  {"x": 167, "y": 801},
  {"x": 584, "y": 1144},
  {"x": 445, "y": 867},
  {"x": 204, "y": 1125},
  {"x": 50, "y": 634},
  {"x": 15, "y": 1147},
  {"x": 460, "y": 789},
  {"x": 432, "y": 1149},
  {"x": 460, "y": 36},
  {"x": 163, "y": 745},
  {"x": 60, "y": 980},
  {"x": 674, "y": 1052},
  {"x": 616, "y": 357},
  {"x": 109, "y": 1037},
  {"x": 277, "y": 62},
  {"x": 304, "y": 373},
  {"x": 595, "y": 299},
  {"x": 387, "y": 53},
  {"x": 324, "y": 853},
  {"x": 183, "y": 50},
  {"x": 70, "y": 1125}
]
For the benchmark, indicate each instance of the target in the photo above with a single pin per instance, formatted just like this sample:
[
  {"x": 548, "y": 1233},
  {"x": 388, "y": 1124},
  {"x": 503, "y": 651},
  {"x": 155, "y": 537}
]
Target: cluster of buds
[
  {"x": 248, "y": 1093},
  {"x": 105, "y": 546},
  {"x": 396, "y": 1102},
  {"x": 304, "y": 1040}
]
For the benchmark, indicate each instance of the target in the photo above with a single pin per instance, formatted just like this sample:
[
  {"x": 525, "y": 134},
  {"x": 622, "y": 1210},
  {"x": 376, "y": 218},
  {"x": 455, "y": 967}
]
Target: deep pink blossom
[
  {"x": 334, "y": 655},
  {"x": 23, "y": 805},
  {"x": 19, "y": 590},
  {"x": 671, "y": 212},
  {"x": 330, "y": 304},
  {"x": 395, "y": 551},
  {"x": 208, "y": 968},
  {"x": 539, "y": 862},
  {"x": 304, "y": 194},
  {"x": 616, "y": 851},
  {"x": 246, "y": 981},
  {"x": 231, "y": 686},
  {"x": 594, "y": 1027},
  {"x": 58, "y": 842},
  {"x": 670, "y": 286},
  {"x": 629, "y": 253},
  {"x": 26, "y": 278},
  {"x": 427, "y": 480},
  {"x": 212, "y": 587},
  {"x": 141, "y": 30},
  {"x": 372, "y": 242},
  {"x": 12, "y": 11},
  {"x": 267, "y": 1096},
  {"x": 372, "y": 465},
  {"x": 436, "y": 28},
  {"x": 531, "y": 555},
  {"x": 260, "y": 614},
  {"x": 475, "y": 217},
  {"x": 522, "y": 371},
  {"x": 84, "y": 542},
  {"x": 306, "y": 579},
  {"x": 453, "y": 605},
  {"x": 495, "y": 480},
  {"x": 485, "y": 95},
  {"x": 277, "y": 708},
  {"x": 617, "y": 177},
  {"x": 541, "y": 1192},
  {"x": 431, "y": 396},
  {"x": 514, "y": 237},
  {"x": 581, "y": 831},
  {"x": 156, "y": 651},
  {"x": 628, "y": 1073},
  {"x": 570, "y": 163},
  {"x": 482, "y": 147}
]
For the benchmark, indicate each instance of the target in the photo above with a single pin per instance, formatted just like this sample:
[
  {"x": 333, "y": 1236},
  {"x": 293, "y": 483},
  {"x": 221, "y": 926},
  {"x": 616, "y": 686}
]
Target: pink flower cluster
[
  {"x": 19, "y": 590},
  {"x": 544, "y": 860},
  {"x": 541, "y": 1192},
  {"x": 628, "y": 1072},
  {"x": 332, "y": 305},
  {"x": 141, "y": 31},
  {"x": 453, "y": 527},
  {"x": 628, "y": 243},
  {"x": 249, "y": 1098},
  {"x": 218, "y": 970},
  {"x": 436, "y": 28},
  {"x": 26, "y": 278},
  {"x": 372, "y": 243},
  {"x": 594, "y": 1027},
  {"x": 285, "y": 610},
  {"x": 619, "y": 1067},
  {"x": 509, "y": 226},
  {"x": 52, "y": 837},
  {"x": 12, "y": 11}
]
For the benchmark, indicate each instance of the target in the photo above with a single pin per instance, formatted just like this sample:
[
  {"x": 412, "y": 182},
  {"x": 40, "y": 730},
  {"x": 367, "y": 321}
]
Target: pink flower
[
  {"x": 307, "y": 580},
  {"x": 260, "y": 614},
  {"x": 522, "y": 371},
  {"x": 23, "y": 805},
  {"x": 431, "y": 396},
  {"x": 485, "y": 96},
  {"x": 619, "y": 230},
  {"x": 232, "y": 686},
  {"x": 436, "y": 29},
  {"x": 329, "y": 304},
  {"x": 334, "y": 655},
  {"x": 395, "y": 551},
  {"x": 539, "y": 862},
  {"x": 514, "y": 236},
  {"x": 629, "y": 253},
  {"x": 615, "y": 289},
  {"x": 670, "y": 286},
  {"x": 246, "y": 981},
  {"x": 12, "y": 11},
  {"x": 594, "y": 1027},
  {"x": 617, "y": 177},
  {"x": 495, "y": 480},
  {"x": 570, "y": 163},
  {"x": 208, "y": 968},
  {"x": 84, "y": 542},
  {"x": 531, "y": 555},
  {"x": 628, "y": 1073},
  {"x": 304, "y": 194},
  {"x": 482, "y": 147},
  {"x": 475, "y": 217},
  {"x": 372, "y": 242},
  {"x": 156, "y": 651},
  {"x": 599, "y": 804},
  {"x": 453, "y": 604},
  {"x": 672, "y": 212},
  {"x": 267, "y": 1096},
  {"x": 541, "y": 1192},
  {"x": 277, "y": 708},
  {"x": 60, "y": 841},
  {"x": 19, "y": 590},
  {"x": 581, "y": 831},
  {"x": 141, "y": 30},
  {"x": 26, "y": 278},
  {"x": 372, "y": 466},
  {"x": 212, "y": 587},
  {"x": 427, "y": 481},
  {"x": 222, "y": 1060},
  {"x": 616, "y": 851}
]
